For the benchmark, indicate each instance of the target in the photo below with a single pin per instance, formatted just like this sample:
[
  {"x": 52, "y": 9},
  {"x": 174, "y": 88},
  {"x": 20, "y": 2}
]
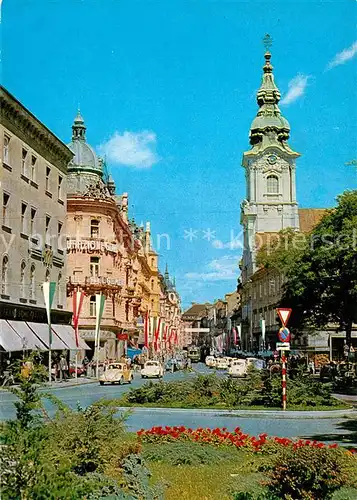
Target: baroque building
[{"x": 102, "y": 249}]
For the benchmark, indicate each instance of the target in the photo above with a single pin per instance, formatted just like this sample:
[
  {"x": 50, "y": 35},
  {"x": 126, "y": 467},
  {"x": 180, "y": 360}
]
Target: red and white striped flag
[{"x": 78, "y": 297}]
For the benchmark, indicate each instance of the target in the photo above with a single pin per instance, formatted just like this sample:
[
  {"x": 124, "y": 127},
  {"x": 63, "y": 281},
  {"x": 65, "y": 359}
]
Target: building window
[
  {"x": 152, "y": 284},
  {"x": 92, "y": 306},
  {"x": 127, "y": 311},
  {"x": 47, "y": 227},
  {"x": 32, "y": 221},
  {"x": 23, "y": 218},
  {"x": 33, "y": 168},
  {"x": 94, "y": 228},
  {"x": 59, "y": 289},
  {"x": 5, "y": 208},
  {"x": 22, "y": 280},
  {"x": 32, "y": 282},
  {"x": 272, "y": 184},
  {"x": 24, "y": 162},
  {"x": 152, "y": 262},
  {"x": 272, "y": 286},
  {"x": 4, "y": 275},
  {"x": 260, "y": 290},
  {"x": 59, "y": 235},
  {"x": 59, "y": 187},
  {"x": 94, "y": 267},
  {"x": 47, "y": 275},
  {"x": 6, "y": 149},
  {"x": 48, "y": 173}
]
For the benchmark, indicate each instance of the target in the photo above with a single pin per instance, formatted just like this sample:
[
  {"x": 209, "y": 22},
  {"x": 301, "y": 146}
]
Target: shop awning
[
  {"x": 133, "y": 352},
  {"x": 67, "y": 334},
  {"x": 41, "y": 330},
  {"x": 9, "y": 340},
  {"x": 30, "y": 340}
]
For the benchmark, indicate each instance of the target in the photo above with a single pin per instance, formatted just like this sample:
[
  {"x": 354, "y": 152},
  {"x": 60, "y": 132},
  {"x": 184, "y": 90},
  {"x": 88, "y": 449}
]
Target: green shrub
[
  {"x": 310, "y": 473},
  {"x": 180, "y": 453}
]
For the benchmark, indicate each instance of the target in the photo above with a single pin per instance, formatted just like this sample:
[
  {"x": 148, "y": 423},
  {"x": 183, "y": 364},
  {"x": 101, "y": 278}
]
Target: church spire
[
  {"x": 78, "y": 128},
  {"x": 269, "y": 127}
]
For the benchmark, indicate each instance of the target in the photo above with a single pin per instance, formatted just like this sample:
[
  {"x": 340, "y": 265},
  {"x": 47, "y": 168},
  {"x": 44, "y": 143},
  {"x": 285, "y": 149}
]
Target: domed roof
[
  {"x": 277, "y": 121},
  {"x": 85, "y": 158}
]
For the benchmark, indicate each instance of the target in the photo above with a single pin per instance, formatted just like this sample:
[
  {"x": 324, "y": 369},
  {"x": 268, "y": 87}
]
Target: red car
[{"x": 80, "y": 370}]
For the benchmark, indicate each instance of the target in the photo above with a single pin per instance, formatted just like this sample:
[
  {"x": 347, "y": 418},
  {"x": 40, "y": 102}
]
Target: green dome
[{"x": 85, "y": 158}]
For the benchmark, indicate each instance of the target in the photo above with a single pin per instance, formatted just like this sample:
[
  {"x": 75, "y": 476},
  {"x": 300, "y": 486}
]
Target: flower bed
[{"x": 223, "y": 437}]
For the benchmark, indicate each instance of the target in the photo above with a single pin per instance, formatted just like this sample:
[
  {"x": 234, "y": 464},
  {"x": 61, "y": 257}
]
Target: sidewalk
[{"x": 70, "y": 382}]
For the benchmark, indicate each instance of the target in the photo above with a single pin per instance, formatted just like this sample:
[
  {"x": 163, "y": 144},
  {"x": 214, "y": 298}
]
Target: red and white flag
[
  {"x": 146, "y": 329},
  {"x": 78, "y": 297}
]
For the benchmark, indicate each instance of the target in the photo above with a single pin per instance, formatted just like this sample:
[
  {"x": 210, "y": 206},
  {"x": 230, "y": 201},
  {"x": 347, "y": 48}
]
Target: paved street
[{"x": 291, "y": 424}]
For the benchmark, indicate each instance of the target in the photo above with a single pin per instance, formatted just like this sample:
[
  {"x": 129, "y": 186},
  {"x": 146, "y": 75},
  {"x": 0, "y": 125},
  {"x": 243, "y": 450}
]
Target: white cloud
[
  {"x": 222, "y": 269},
  {"x": 134, "y": 149},
  {"x": 344, "y": 56},
  {"x": 296, "y": 89}
]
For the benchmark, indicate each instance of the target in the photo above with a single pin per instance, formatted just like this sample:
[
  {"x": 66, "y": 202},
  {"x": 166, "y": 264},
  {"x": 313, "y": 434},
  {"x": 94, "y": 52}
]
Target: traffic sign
[
  {"x": 284, "y": 334},
  {"x": 282, "y": 344},
  {"x": 285, "y": 346},
  {"x": 284, "y": 314}
]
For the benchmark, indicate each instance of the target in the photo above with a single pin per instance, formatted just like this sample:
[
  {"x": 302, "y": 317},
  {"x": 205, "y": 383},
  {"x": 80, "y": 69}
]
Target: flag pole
[{"x": 49, "y": 289}]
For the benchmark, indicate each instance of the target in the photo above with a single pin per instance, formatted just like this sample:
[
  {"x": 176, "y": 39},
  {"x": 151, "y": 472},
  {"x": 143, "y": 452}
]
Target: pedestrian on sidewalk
[{"x": 63, "y": 367}]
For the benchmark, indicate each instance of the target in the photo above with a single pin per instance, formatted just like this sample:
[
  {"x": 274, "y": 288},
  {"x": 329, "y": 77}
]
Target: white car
[
  {"x": 221, "y": 364},
  {"x": 116, "y": 373},
  {"x": 152, "y": 369},
  {"x": 229, "y": 360},
  {"x": 210, "y": 361},
  {"x": 238, "y": 368}
]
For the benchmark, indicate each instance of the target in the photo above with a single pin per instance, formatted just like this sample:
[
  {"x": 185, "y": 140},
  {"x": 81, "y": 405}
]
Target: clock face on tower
[{"x": 272, "y": 159}]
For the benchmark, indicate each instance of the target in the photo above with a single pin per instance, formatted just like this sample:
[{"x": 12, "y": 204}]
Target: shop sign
[{"x": 89, "y": 245}]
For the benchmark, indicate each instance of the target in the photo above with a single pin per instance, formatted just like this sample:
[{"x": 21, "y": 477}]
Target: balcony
[{"x": 96, "y": 283}]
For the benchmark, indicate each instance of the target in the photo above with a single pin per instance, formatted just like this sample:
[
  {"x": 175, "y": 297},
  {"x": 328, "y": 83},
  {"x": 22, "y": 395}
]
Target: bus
[{"x": 194, "y": 354}]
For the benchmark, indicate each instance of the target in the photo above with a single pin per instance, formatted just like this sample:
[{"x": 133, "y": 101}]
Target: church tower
[{"x": 270, "y": 203}]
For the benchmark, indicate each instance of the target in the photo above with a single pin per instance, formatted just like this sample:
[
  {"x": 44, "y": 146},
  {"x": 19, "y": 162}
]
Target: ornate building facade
[
  {"x": 108, "y": 254},
  {"x": 102, "y": 250}
]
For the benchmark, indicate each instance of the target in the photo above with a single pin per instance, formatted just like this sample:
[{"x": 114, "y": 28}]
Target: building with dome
[{"x": 106, "y": 253}]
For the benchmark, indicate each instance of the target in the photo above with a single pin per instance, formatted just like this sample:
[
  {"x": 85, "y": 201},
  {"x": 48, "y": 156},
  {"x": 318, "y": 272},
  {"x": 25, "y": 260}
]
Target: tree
[{"x": 321, "y": 285}]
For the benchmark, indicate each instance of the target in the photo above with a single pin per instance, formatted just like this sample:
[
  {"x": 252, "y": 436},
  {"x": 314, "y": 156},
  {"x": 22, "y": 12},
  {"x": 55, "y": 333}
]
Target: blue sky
[{"x": 167, "y": 89}]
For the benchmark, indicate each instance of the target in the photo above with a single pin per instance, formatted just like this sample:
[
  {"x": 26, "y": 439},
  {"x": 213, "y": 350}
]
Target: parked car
[
  {"x": 210, "y": 361},
  {"x": 257, "y": 363},
  {"x": 116, "y": 373},
  {"x": 81, "y": 370},
  {"x": 152, "y": 369},
  {"x": 221, "y": 364},
  {"x": 238, "y": 368}
]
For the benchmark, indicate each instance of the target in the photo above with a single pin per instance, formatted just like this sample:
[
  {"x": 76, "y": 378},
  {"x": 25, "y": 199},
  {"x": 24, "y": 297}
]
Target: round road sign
[{"x": 284, "y": 334}]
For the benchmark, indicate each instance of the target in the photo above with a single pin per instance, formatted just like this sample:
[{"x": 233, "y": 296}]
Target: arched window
[
  {"x": 272, "y": 184},
  {"x": 32, "y": 282},
  {"x": 4, "y": 275},
  {"x": 152, "y": 284},
  {"x": 22, "y": 280},
  {"x": 92, "y": 306}
]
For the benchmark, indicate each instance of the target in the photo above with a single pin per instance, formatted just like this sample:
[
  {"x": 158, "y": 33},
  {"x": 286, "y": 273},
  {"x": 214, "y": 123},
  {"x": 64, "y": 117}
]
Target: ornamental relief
[{"x": 271, "y": 163}]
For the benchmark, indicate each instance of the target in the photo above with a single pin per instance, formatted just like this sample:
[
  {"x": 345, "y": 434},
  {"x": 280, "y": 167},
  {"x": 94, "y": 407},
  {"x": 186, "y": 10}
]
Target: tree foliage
[{"x": 321, "y": 285}]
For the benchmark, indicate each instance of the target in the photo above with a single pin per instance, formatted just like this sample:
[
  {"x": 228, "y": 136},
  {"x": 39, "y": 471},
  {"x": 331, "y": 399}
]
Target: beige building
[{"x": 33, "y": 220}]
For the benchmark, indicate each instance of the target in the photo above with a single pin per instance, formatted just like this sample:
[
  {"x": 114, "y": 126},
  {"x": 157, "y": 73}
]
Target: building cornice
[
  {"x": 22, "y": 123},
  {"x": 106, "y": 207}
]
